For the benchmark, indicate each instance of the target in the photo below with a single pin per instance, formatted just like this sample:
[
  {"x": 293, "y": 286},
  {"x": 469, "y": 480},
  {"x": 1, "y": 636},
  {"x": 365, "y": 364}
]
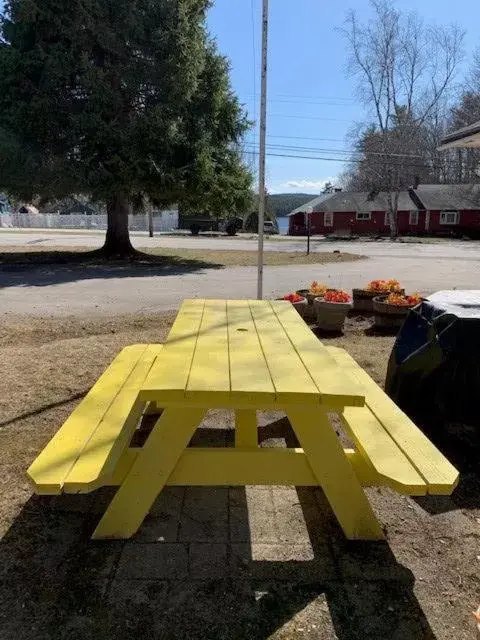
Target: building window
[
  {"x": 387, "y": 219},
  {"x": 328, "y": 219},
  {"x": 413, "y": 218},
  {"x": 449, "y": 217},
  {"x": 364, "y": 215}
]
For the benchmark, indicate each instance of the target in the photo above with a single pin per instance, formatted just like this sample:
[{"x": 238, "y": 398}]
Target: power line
[
  {"x": 306, "y": 138},
  {"x": 301, "y": 97},
  {"x": 351, "y": 152},
  {"x": 344, "y": 160},
  {"x": 300, "y": 102},
  {"x": 298, "y": 117}
]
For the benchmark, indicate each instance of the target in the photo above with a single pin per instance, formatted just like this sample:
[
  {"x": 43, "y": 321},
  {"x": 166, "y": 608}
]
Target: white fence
[{"x": 162, "y": 221}]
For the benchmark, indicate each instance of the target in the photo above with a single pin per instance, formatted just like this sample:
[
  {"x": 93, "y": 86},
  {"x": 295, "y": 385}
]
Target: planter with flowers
[
  {"x": 390, "y": 311},
  {"x": 299, "y": 302},
  {"x": 332, "y": 309},
  {"x": 363, "y": 298},
  {"x": 316, "y": 290}
]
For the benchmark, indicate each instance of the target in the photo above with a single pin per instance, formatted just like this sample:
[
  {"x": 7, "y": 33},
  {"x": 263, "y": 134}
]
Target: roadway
[{"x": 60, "y": 290}]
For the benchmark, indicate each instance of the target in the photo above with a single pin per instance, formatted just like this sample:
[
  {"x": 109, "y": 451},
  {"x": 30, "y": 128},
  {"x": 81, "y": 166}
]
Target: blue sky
[{"x": 311, "y": 99}]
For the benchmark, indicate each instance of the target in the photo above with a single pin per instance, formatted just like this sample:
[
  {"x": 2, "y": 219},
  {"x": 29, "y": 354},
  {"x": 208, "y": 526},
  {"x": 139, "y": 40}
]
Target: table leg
[
  {"x": 149, "y": 473},
  {"x": 246, "y": 430},
  {"x": 335, "y": 474}
]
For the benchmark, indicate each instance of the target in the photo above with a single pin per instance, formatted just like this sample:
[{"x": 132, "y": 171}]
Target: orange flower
[
  {"x": 293, "y": 297},
  {"x": 384, "y": 286},
  {"x": 403, "y": 301},
  {"x": 317, "y": 289},
  {"x": 337, "y": 296},
  {"x": 414, "y": 299}
]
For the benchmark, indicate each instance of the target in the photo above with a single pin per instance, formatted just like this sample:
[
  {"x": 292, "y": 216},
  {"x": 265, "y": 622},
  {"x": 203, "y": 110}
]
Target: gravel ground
[{"x": 62, "y": 290}]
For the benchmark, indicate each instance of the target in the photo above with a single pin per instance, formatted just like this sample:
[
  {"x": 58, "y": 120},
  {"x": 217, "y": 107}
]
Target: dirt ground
[
  {"x": 214, "y": 563},
  {"x": 216, "y": 258}
]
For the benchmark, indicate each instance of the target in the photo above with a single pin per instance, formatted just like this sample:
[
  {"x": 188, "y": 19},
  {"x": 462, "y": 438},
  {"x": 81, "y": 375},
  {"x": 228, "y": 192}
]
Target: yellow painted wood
[
  {"x": 250, "y": 379},
  {"x": 366, "y": 474},
  {"x": 336, "y": 389},
  {"x": 439, "y": 474},
  {"x": 377, "y": 446},
  {"x": 239, "y": 467},
  {"x": 246, "y": 429},
  {"x": 210, "y": 372},
  {"x": 51, "y": 467},
  {"x": 169, "y": 375},
  {"x": 149, "y": 473},
  {"x": 335, "y": 474},
  {"x": 152, "y": 409},
  {"x": 114, "y": 432},
  {"x": 292, "y": 381}
]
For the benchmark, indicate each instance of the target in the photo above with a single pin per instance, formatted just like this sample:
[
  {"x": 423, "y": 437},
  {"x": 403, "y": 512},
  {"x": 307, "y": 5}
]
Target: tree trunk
[
  {"x": 150, "y": 220},
  {"x": 392, "y": 218},
  {"x": 117, "y": 242}
]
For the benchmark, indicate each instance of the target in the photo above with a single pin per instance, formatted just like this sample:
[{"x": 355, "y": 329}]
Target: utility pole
[
  {"x": 261, "y": 161},
  {"x": 308, "y": 222}
]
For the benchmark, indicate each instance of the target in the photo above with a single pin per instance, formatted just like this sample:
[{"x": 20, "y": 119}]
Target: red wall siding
[
  {"x": 470, "y": 219},
  {"x": 434, "y": 224},
  {"x": 346, "y": 221},
  {"x": 467, "y": 220},
  {"x": 296, "y": 225},
  {"x": 404, "y": 226}
]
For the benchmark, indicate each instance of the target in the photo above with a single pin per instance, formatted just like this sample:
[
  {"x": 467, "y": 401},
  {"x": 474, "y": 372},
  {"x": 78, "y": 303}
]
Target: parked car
[
  {"x": 196, "y": 224},
  {"x": 269, "y": 227}
]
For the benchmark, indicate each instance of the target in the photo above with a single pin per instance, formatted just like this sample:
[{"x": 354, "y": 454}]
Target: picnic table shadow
[
  {"x": 56, "y": 583},
  {"x": 58, "y": 267},
  {"x": 460, "y": 443}
]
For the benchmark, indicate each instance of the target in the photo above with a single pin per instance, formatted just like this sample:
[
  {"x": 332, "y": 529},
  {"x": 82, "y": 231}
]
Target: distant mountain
[{"x": 283, "y": 203}]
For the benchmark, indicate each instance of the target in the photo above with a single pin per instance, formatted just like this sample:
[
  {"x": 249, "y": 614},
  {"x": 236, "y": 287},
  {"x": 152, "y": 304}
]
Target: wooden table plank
[
  {"x": 51, "y": 467},
  {"x": 114, "y": 432},
  {"x": 210, "y": 373},
  {"x": 292, "y": 381},
  {"x": 439, "y": 474},
  {"x": 250, "y": 378},
  {"x": 376, "y": 446},
  {"x": 336, "y": 387},
  {"x": 169, "y": 375}
]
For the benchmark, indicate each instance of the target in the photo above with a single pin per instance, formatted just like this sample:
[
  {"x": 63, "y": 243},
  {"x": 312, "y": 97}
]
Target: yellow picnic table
[{"x": 243, "y": 355}]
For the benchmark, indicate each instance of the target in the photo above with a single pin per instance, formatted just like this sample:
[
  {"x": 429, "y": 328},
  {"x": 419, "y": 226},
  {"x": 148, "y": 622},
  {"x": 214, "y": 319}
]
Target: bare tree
[{"x": 404, "y": 70}]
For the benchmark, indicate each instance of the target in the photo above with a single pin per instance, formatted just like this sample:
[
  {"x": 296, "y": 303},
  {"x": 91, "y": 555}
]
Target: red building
[
  {"x": 429, "y": 209},
  {"x": 450, "y": 209}
]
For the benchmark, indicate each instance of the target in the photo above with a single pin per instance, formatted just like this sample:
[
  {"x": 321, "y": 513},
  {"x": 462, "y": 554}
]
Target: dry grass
[
  {"x": 33, "y": 255},
  {"x": 250, "y": 258}
]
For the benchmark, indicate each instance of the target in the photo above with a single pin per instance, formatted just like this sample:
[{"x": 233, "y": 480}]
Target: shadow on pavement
[
  {"x": 40, "y": 269},
  {"x": 204, "y": 565}
]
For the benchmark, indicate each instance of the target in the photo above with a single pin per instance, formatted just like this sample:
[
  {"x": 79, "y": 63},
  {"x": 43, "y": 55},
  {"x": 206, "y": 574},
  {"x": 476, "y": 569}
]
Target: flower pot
[
  {"x": 301, "y": 306},
  {"x": 388, "y": 316},
  {"x": 309, "y": 312},
  {"x": 331, "y": 315},
  {"x": 363, "y": 299},
  {"x": 312, "y": 296}
]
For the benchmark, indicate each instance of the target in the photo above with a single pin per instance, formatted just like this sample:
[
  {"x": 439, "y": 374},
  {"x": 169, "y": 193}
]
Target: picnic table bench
[{"x": 244, "y": 356}]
